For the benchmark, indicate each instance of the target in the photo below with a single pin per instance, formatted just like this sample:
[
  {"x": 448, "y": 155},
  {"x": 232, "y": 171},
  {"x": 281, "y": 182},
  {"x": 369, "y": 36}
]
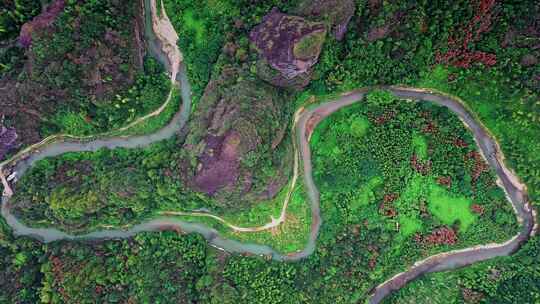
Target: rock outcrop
[
  {"x": 233, "y": 139},
  {"x": 336, "y": 14},
  {"x": 8, "y": 136},
  {"x": 40, "y": 22},
  {"x": 289, "y": 46}
]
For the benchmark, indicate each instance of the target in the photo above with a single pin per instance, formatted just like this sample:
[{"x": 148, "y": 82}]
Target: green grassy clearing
[
  {"x": 450, "y": 209},
  {"x": 366, "y": 194},
  {"x": 420, "y": 146},
  {"x": 157, "y": 122},
  {"x": 446, "y": 207},
  {"x": 196, "y": 25}
]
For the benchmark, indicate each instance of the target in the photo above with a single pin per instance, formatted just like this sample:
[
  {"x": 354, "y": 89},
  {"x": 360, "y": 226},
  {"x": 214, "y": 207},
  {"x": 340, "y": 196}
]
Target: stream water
[{"x": 435, "y": 263}]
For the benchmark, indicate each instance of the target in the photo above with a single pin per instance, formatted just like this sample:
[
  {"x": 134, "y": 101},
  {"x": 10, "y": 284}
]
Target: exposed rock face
[
  {"x": 378, "y": 33},
  {"x": 336, "y": 13},
  {"x": 528, "y": 60},
  {"x": 234, "y": 139},
  {"x": 219, "y": 161},
  {"x": 8, "y": 136},
  {"x": 41, "y": 21},
  {"x": 289, "y": 45}
]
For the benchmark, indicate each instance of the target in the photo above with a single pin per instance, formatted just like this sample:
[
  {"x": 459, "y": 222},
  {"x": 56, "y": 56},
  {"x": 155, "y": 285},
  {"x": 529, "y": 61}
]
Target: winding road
[{"x": 303, "y": 124}]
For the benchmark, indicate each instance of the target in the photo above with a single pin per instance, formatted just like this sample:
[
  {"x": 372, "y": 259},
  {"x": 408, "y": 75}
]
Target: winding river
[{"x": 515, "y": 191}]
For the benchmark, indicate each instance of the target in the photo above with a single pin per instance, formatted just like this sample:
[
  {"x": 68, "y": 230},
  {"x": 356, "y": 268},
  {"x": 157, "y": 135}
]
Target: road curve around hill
[{"x": 304, "y": 124}]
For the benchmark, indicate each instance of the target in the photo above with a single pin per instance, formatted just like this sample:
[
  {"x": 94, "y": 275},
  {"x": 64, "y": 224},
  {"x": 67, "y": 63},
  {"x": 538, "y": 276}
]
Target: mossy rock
[
  {"x": 239, "y": 120},
  {"x": 267, "y": 73},
  {"x": 289, "y": 45},
  {"x": 335, "y": 14},
  {"x": 309, "y": 46}
]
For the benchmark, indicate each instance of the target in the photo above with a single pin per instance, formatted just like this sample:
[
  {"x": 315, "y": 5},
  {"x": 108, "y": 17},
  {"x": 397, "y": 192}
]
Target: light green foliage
[
  {"x": 380, "y": 97},
  {"x": 446, "y": 207},
  {"x": 73, "y": 123},
  {"x": 195, "y": 25},
  {"x": 450, "y": 209},
  {"x": 415, "y": 191},
  {"x": 436, "y": 78},
  {"x": 149, "y": 92},
  {"x": 290, "y": 236},
  {"x": 200, "y": 28},
  {"x": 409, "y": 225},
  {"x": 359, "y": 125},
  {"x": 310, "y": 45},
  {"x": 366, "y": 194},
  {"x": 66, "y": 205},
  {"x": 155, "y": 123},
  {"x": 420, "y": 146}
]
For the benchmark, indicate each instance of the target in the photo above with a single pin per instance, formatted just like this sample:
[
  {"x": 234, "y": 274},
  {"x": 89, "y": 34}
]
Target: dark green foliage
[
  {"x": 13, "y": 14},
  {"x": 513, "y": 279},
  {"x": 11, "y": 58},
  {"x": 82, "y": 71},
  {"x": 207, "y": 27},
  {"x": 150, "y": 268},
  {"x": 397, "y": 55},
  {"x": 261, "y": 282},
  {"x": 20, "y": 261},
  {"x": 101, "y": 96},
  {"x": 388, "y": 42},
  {"x": 83, "y": 190},
  {"x": 146, "y": 94}
]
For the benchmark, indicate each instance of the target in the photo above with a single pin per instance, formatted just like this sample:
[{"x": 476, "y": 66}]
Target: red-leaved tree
[{"x": 459, "y": 53}]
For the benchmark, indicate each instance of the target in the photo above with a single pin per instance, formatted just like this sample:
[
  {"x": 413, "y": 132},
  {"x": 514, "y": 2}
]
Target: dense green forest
[
  {"x": 485, "y": 51},
  {"x": 398, "y": 180},
  {"x": 446, "y": 45},
  {"x": 78, "y": 67},
  {"x": 512, "y": 279},
  {"x": 411, "y": 168},
  {"x": 208, "y": 28},
  {"x": 428, "y": 192},
  {"x": 13, "y": 14}
]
